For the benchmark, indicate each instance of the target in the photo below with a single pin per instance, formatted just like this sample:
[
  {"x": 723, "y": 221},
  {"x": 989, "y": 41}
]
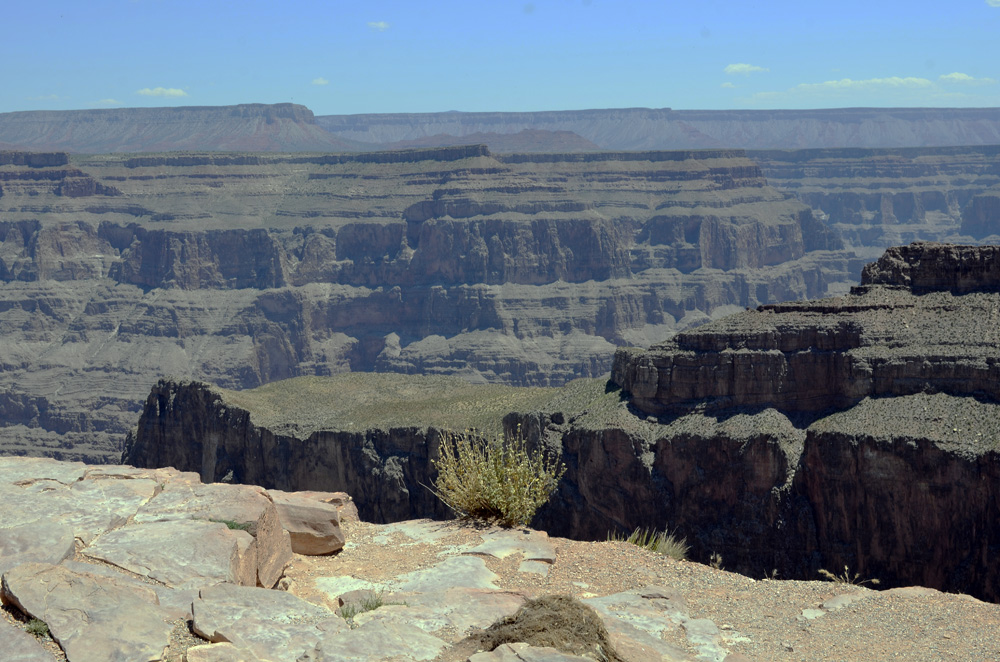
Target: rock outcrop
[{"x": 858, "y": 431}]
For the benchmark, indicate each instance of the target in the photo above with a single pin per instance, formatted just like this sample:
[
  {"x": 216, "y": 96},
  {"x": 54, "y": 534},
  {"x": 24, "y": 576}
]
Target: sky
[{"x": 371, "y": 56}]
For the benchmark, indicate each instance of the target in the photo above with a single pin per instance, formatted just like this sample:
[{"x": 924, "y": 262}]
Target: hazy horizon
[{"x": 394, "y": 57}]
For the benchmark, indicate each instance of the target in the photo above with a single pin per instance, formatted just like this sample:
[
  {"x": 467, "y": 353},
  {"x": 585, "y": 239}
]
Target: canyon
[
  {"x": 523, "y": 268},
  {"x": 857, "y": 431},
  {"x": 241, "y": 269}
]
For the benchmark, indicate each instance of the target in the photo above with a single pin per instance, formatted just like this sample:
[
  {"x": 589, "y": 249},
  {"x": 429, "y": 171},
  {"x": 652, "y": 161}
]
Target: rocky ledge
[
  {"x": 926, "y": 319},
  {"x": 127, "y": 565}
]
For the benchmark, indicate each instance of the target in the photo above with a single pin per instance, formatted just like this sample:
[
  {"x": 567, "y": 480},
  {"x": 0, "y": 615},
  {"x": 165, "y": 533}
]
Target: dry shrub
[
  {"x": 557, "y": 621},
  {"x": 496, "y": 481}
]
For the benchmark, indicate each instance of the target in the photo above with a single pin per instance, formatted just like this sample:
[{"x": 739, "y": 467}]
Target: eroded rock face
[
  {"x": 242, "y": 269},
  {"x": 888, "y": 338}
]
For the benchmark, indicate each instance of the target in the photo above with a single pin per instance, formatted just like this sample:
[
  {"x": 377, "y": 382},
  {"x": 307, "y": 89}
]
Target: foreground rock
[{"x": 420, "y": 589}]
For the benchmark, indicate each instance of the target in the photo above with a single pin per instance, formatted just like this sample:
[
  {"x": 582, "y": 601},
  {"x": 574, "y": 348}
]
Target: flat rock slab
[
  {"x": 521, "y": 652},
  {"x": 221, "y": 652},
  {"x": 272, "y": 624},
  {"x": 174, "y": 601},
  {"x": 93, "y": 619},
  {"x": 375, "y": 641},
  {"x": 89, "y": 507},
  {"x": 454, "y": 571},
  {"x": 246, "y": 505},
  {"x": 532, "y": 545},
  {"x": 14, "y": 470},
  {"x": 457, "y": 609},
  {"x": 19, "y": 646},
  {"x": 43, "y": 541},
  {"x": 313, "y": 526},
  {"x": 185, "y": 554}
]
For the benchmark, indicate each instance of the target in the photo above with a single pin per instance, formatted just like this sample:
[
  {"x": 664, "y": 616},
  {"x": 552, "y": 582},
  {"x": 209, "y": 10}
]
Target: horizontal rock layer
[{"x": 241, "y": 269}]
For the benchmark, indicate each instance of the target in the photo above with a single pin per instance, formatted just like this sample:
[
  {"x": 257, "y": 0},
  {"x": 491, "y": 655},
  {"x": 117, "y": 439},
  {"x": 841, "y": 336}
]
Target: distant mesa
[{"x": 287, "y": 127}]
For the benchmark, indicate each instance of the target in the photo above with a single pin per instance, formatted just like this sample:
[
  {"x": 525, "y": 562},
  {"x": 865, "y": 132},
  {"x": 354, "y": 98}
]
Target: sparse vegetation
[
  {"x": 37, "y": 627},
  {"x": 370, "y": 603},
  {"x": 235, "y": 526},
  {"x": 498, "y": 481},
  {"x": 847, "y": 578},
  {"x": 715, "y": 560},
  {"x": 663, "y": 542}
]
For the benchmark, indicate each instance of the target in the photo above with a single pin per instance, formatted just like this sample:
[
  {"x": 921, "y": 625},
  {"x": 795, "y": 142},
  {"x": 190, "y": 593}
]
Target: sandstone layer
[
  {"x": 240, "y": 269},
  {"x": 859, "y": 431}
]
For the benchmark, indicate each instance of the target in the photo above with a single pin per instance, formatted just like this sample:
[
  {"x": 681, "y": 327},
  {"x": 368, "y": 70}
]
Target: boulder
[
  {"x": 313, "y": 525},
  {"x": 239, "y": 506}
]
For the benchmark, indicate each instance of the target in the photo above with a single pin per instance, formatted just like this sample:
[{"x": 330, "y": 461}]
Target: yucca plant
[{"x": 662, "y": 542}]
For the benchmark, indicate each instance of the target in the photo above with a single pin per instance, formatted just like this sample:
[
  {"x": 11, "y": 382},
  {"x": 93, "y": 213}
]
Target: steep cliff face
[
  {"x": 878, "y": 417},
  {"x": 981, "y": 217},
  {"x": 885, "y": 339}
]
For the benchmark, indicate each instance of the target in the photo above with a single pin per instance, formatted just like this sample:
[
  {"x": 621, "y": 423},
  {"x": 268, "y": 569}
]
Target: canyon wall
[
  {"x": 240, "y": 269},
  {"x": 885, "y": 460}
]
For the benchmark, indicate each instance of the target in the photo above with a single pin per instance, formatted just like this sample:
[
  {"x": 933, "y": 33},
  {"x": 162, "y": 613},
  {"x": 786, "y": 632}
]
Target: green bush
[
  {"x": 497, "y": 481},
  {"x": 37, "y": 627},
  {"x": 661, "y": 543}
]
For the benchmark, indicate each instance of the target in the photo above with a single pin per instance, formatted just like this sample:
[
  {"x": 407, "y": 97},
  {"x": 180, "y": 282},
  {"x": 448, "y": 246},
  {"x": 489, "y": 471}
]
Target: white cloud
[
  {"x": 381, "y": 26},
  {"x": 993, "y": 3},
  {"x": 892, "y": 82},
  {"x": 958, "y": 77},
  {"x": 728, "y": 85},
  {"x": 109, "y": 102},
  {"x": 743, "y": 69},
  {"x": 162, "y": 92},
  {"x": 320, "y": 81}
]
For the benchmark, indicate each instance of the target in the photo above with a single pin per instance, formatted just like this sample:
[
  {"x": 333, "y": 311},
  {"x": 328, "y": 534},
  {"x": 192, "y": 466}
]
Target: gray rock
[
  {"x": 19, "y": 646},
  {"x": 246, "y": 505},
  {"x": 93, "y": 619},
  {"x": 314, "y": 526},
  {"x": 43, "y": 541},
  {"x": 221, "y": 652},
  {"x": 456, "y": 608},
  {"x": 377, "y": 640},
  {"x": 174, "y": 601},
  {"x": 182, "y": 554},
  {"x": 454, "y": 571},
  {"x": 521, "y": 652},
  {"x": 272, "y": 624},
  {"x": 532, "y": 545}
]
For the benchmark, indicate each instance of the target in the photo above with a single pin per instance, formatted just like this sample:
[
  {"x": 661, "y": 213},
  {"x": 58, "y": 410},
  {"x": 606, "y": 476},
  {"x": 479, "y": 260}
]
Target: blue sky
[{"x": 475, "y": 55}]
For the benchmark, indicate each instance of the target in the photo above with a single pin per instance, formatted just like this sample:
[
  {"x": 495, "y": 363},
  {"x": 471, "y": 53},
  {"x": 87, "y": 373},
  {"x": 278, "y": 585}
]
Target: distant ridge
[
  {"x": 287, "y": 127},
  {"x": 251, "y": 127},
  {"x": 664, "y": 128}
]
